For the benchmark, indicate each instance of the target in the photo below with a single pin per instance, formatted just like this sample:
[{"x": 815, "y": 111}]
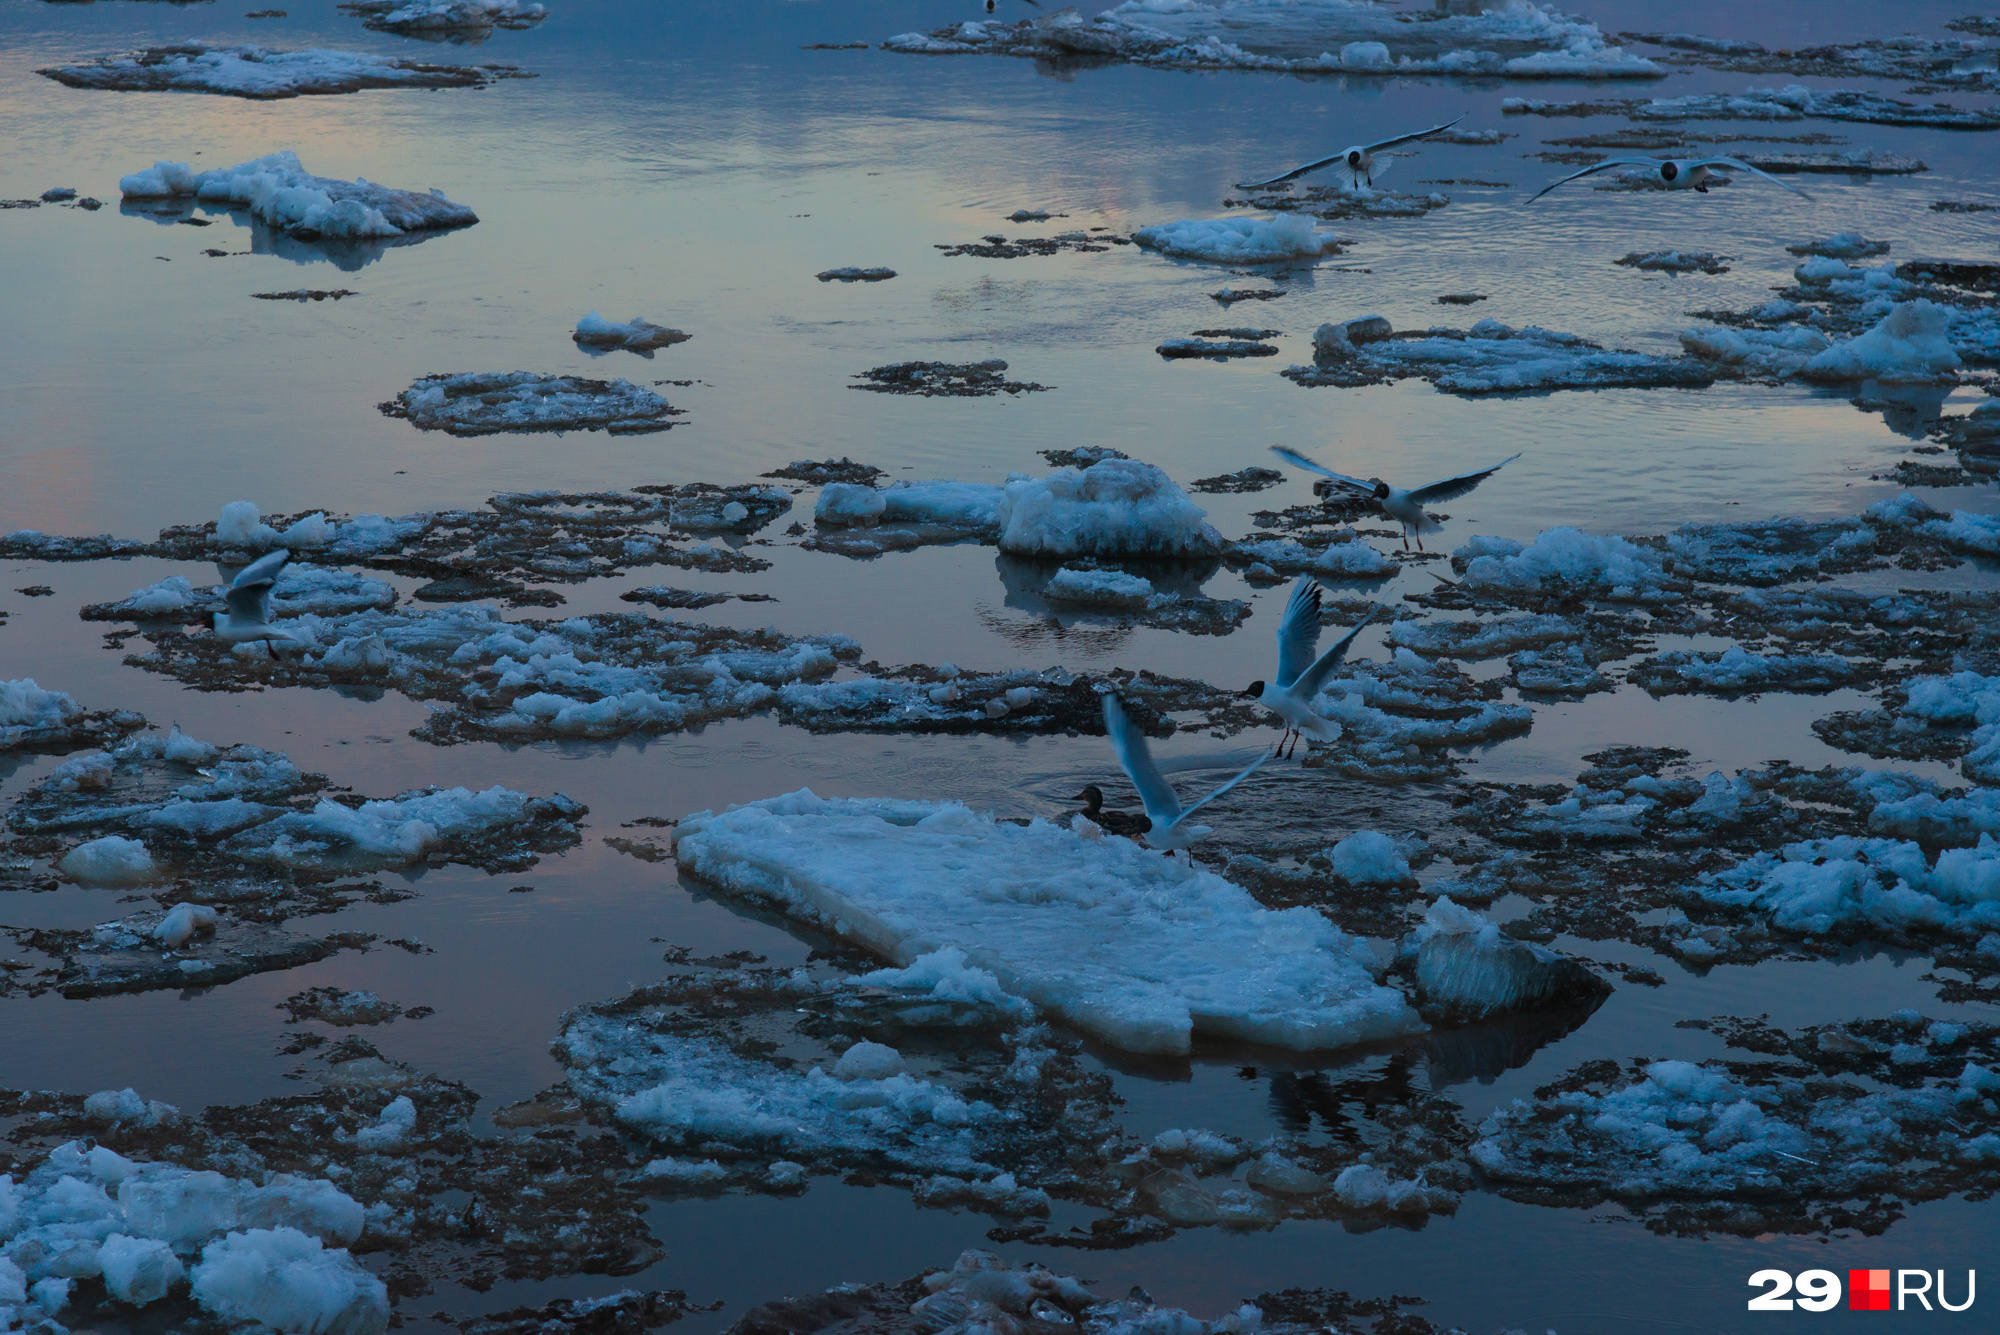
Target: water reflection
[{"x": 345, "y": 254}]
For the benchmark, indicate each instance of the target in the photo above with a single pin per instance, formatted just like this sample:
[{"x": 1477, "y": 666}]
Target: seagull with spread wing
[
  {"x": 1300, "y": 675},
  {"x": 1676, "y": 173},
  {"x": 1406, "y": 507},
  {"x": 248, "y": 598},
  {"x": 1166, "y": 827},
  {"x": 1358, "y": 159}
]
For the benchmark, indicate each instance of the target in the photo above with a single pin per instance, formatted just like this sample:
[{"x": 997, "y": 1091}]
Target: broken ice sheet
[
  {"x": 1143, "y": 971},
  {"x": 597, "y": 335},
  {"x": 1525, "y": 41},
  {"x": 459, "y": 21},
  {"x": 926, "y": 1078},
  {"x": 259, "y": 72},
  {"x": 1489, "y": 358},
  {"x": 1289, "y": 236},
  {"x": 292, "y": 212},
  {"x": 33, "y": 718},
  {"x": 1839, "y": 1127},
  {"x": 487, "y": 403},
  {"x": 1791, "y": 103},
  {"x": 1167, "y": 597}
]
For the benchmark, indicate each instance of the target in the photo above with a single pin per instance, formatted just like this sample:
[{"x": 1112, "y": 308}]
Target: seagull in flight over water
[
  {"x": 1164, "y": 813},
  {"x": 1300, "y": 675},
  {"x": 1676, "y": 173},
  {"x": 1406, "y": 507},
  {"x": 1358, "y": 159},
  {"x": 248, "y": 598}
]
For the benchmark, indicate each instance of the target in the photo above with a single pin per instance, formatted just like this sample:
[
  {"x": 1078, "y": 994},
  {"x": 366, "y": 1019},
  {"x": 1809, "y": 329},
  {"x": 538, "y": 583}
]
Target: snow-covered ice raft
[
  {"x": 474, "y": 403},
  {"x": 437, "y": 20},
  {"x": 1114, "y": 939},
  {"x": 1518, "y": 40},
  {"x": 259, "y": 72},
  {"x": 278, "y": 191}
]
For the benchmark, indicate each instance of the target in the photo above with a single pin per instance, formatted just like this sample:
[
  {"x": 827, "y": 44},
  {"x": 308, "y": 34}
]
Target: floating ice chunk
[
  {"x": 1911, "y": 344},
  {"x": 868, "y": 1061},
  {"x": 1368, "y": 857},
  {"x": 389, "y": 1130},
  {"x": 1755, "y": 352},
  {"x": 847, "y": 503},
  {"x": 1353, "y": 559},
  {"x": 111, "y": 860},
  {"x": 594, "y": 331},
  {"x": 1736, "y": 671},
  {"x": 278, "y": 191},
  {"x": 386, "y": 832},
  {"x": 1001, "y": 1196},
  {"x": 181, "y": 924},
  {"x": 287, "y": 1281},
  {"x": 683, "y": 1173},
  {"x": 944, "y": 974},
  {"x": 1126, "y": 945},
  {"x": 1848, "y": 884},
  {"x": 138, "y": 1270},
  {"x": 1116, "y": 507},
  {"x": 1491, "y": 358},
  {"x": 1468, "y": 970},
  {"x": 476, "y": 403},
  {"x": 256, "y": 71},
  {"x": 446, "y": 16},
  {"x": 1564, "y": 559},
  {"x": 971, "y": 506},
  {"x": 1841, "y": 246},
  {"x": 125, "y": 1105},
  {"x": 1239, "y": 240},
  {"x": 29, "y": 714}
]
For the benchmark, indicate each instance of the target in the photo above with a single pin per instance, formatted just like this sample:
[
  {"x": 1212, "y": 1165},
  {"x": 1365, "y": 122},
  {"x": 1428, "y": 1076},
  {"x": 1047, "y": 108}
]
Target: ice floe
[
  {"x": 1288, "y": 236},
  {"x": 1835, "y": 1133},
  {"x": 277, "y": 190},
  {"x": 442, "y": 19},
  {"x": 1791, "y": 103},
  {"x": 475, "y": 403},
  {"x": 1489, "y": 358},
  {"x": 1123, "y": 944},
  {"x": 259, "y": 72},
  {"x": 1116, "y": 507},
  {"x": 1519, "y": 40},
  {"x": 273, "y": 1253},
  {"x": 594, "y": 332},
  {"x": 1466, "y": 969},
  {"x": 973, "y": 380},
  {"x": 1675, "y": 261},
  {"x": 33, "y": 718},
  {"x": 299, "y": 589},
  {"x": 1736, "y": 671}
]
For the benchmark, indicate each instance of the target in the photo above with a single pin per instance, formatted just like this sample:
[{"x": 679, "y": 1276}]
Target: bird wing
[
  {"x": 1293, "y": 457},
  {"x": 249, "y": 602},
  {"x": 1595, "y": 167},
  {"x": 1241, "y": 775},
  {"x": 1298, "y": 633},
  {"x": 1412, "y": 138},
  {"x": 248, "y": 596},
  {"x": 262, "y": 570},
  {"x": 1293, "y": 174},
  {"x": 1163, "y": 805},
  {"x": 1454, "y": 487},
  {"x": 1737, "y": 164},
  {"x": 1313, "y": 678}
]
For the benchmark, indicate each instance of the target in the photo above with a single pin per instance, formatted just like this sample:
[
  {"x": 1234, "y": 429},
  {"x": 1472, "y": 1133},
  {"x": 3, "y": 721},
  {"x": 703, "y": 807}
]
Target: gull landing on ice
[
  {"x": 248, "y": 598},
  {"x": 1405, "y": 507},
  {"x": 1359, "y": 160},
  {"x": 1300, "y": 675},
  {"x": 1165, "y": 815},
  {"x": 1676, "y": 173}
]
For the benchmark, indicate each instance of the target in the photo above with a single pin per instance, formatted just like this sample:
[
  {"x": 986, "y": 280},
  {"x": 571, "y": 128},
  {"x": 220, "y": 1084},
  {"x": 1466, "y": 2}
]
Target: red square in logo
[{"x": 1867, "y": 1290}]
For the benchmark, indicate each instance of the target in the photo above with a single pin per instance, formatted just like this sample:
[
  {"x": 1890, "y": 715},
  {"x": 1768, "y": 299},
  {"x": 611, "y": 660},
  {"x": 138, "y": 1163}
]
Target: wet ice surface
[{"x": 532, "y": 644}]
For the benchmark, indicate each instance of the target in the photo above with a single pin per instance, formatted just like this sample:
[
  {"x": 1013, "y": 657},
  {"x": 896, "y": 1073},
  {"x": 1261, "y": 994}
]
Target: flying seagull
[
  {"x": 1676, "y": 173},
  {"x": 248, "y": 598},
  {"x": 1300, "y": 675},
  {"x": 1164, "y": 811},
  {"x": 1359, "y": 159},
  {"x": 1406, "y": 507}
]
